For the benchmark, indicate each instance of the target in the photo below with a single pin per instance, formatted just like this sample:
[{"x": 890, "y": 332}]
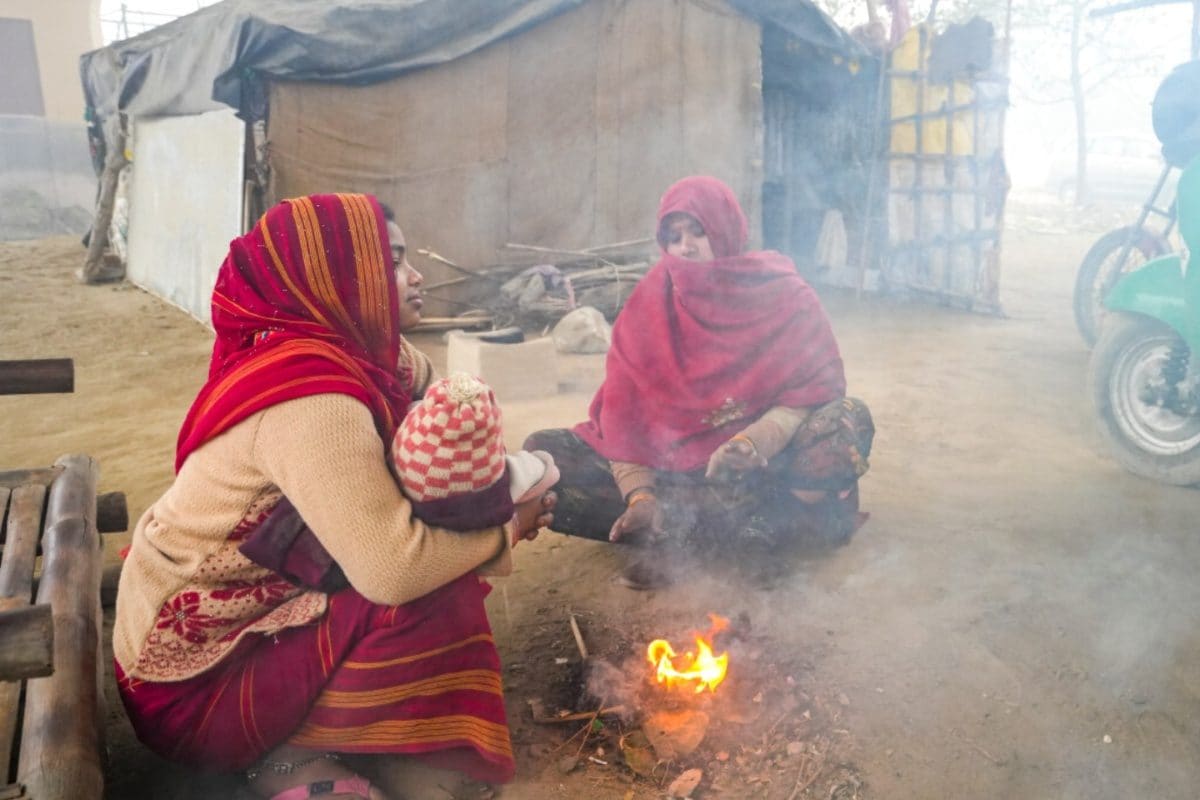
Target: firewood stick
[
  {"x": 604, "y": 712},
  {"x": 583, "y": 651},
  {"x": 432, "y": 256},
  {"x": 37, "y": 376},
  {"x": 429, "y": 324},
  {"x": 555, "y": 251},
  {"x": 619, "y": 245},
  {"x": 444, "y": 284},
  {"x": 589, "y": 252},
  {"x": 63, "y": 735}
]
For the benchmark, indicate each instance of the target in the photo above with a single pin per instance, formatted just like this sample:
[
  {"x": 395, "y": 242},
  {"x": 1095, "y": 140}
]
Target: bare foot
[
  {"x": 405, "y": 776},
  {"x": 270, "y": 784}
]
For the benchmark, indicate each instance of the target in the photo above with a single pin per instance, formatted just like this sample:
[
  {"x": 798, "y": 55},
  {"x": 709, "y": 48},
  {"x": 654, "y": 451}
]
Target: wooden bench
[{"x": 51, "y": 648}]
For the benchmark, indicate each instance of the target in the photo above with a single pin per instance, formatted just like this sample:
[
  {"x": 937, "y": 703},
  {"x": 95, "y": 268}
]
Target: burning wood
[{"x": 700, "y": 669}]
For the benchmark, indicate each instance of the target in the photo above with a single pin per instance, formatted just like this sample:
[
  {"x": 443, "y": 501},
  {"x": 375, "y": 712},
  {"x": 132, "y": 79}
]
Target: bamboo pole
[
  {"x": 26, "y": 640},
  {"x": 16, "y": 589},
  {"x": 37, "y": 376},
  {"x": 63, "y": 735}
]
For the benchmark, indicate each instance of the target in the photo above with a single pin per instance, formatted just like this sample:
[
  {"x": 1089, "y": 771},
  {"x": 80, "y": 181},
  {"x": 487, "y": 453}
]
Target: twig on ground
[
  {"x": 588, "y": 715},
  {"x": 817, "y": 763},
  {"x": 977, "y": 747},
  {"x": 583, "y": 651}
]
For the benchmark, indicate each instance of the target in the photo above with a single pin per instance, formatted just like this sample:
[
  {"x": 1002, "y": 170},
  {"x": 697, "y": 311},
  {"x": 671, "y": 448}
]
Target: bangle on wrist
[
  {"x": 637, "y": 496},
  {"x": 741, "y": 437}
]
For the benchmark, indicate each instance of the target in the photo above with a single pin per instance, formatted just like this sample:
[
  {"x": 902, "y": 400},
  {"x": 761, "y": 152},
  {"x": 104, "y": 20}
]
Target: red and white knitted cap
[{"x": 450, "y": 443}]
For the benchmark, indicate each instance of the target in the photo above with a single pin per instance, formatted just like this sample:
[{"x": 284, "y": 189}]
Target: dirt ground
[{"x": 1017, "y": 618}]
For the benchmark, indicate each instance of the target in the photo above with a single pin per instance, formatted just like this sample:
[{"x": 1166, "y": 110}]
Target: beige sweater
[{"x": 187, "y": 595}]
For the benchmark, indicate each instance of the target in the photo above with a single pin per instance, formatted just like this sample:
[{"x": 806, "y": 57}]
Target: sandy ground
[{"x": 1017, "y": 619}]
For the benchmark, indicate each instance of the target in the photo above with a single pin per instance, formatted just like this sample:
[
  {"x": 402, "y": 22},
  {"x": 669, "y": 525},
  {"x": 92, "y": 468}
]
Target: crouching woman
[{"x": 225, "y": 663}]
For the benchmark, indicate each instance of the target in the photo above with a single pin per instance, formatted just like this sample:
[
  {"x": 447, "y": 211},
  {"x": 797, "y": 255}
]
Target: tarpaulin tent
[{"x": 545, "y": 122}]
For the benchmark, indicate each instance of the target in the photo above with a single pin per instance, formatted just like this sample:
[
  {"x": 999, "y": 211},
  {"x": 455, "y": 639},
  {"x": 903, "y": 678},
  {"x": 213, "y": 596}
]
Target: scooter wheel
[
  {"x": 1147, "y": 439},
  {"x": 1102, "y": 267}
]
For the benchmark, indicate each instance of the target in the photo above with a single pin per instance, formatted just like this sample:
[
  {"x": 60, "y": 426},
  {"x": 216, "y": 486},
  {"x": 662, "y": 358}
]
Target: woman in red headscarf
[
  {"x": 228, "y": 662},
  {"x": 722, "y": 418}
]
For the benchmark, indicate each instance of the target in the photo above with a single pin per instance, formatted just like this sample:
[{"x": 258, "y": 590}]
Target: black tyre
[
  {"x": 1146, "y": 439},
  {"x": 1100, "y": 269}
]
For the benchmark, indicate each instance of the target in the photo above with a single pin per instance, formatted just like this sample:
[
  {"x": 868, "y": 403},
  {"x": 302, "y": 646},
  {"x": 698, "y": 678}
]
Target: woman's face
[
  {"x": 685, "y": 238},
  {"x": 408, "y": 281}
]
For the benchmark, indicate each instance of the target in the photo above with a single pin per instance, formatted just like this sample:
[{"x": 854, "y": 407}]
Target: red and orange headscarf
[
  {"x": 305, "y": 303},
  {"x": 701, "y": 350}
]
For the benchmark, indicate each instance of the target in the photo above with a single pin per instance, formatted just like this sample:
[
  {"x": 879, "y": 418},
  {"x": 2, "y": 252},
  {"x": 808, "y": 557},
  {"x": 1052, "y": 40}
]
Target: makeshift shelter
[{"x": 554, "y": 123}]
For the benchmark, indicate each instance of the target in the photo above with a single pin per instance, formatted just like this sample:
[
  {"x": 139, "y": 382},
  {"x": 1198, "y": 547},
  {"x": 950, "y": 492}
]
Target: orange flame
[{"x": 701, "y": 668}]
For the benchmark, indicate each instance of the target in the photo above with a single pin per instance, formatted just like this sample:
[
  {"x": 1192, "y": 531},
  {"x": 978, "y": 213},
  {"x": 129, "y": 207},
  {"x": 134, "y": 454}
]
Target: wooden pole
[
  {"x": 16, "y": 589},
  {"x": 112, "y": 513},
  {"x": 37, "y": 376},
  {"x": 63, "y": 735},
  {"x": 26, "y": 641},
  {"x": 10, "y": 479},
  {"x": 112, "y": 508},
  {"x": 93, "y": 267},
  {"x": 110, "y": 581}
]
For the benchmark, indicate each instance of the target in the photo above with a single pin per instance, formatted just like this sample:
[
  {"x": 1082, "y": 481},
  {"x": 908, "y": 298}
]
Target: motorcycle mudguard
[{"x": 1155, "y": 290}]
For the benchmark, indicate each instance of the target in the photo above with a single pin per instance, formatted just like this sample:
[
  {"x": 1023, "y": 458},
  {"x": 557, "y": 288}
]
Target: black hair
[{"x": 388, "y": 214}]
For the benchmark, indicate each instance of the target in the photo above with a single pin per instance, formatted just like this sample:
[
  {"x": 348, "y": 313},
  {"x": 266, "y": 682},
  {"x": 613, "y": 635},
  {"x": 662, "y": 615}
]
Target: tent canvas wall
[{"x": 562, "y": 136}]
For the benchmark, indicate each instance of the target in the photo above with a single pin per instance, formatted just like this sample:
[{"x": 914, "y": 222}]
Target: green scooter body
[{"x": 1165, "y": 289}]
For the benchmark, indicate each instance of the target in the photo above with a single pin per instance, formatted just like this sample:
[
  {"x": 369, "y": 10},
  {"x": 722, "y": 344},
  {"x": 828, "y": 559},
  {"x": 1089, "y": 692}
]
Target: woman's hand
[
  {"x": 736, "y": 456},
  {"x": 642, "y": 517},
  {"x": 533, "y": 515}
]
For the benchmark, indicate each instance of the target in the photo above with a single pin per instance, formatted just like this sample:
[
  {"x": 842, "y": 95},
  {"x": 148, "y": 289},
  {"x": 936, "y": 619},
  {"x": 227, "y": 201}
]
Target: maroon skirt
[{"x": 420, "y": 679}]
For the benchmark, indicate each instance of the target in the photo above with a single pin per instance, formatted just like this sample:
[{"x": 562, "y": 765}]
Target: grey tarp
[
  {"x": 199, "y": 62},
  {"x": 804, "y": 21}
]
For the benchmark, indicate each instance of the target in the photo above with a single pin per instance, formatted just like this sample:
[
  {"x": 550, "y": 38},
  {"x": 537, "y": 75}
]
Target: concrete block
[{"x": 522, "y": 371}]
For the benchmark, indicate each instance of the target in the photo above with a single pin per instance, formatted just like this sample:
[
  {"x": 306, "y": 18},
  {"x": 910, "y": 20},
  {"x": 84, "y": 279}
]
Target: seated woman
[
  {"x": 722, "y": 419},
  {"x": 226, "y": 664}
]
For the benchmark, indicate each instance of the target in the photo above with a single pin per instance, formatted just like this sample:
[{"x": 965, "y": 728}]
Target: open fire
[{"x": 698, "y": 669}]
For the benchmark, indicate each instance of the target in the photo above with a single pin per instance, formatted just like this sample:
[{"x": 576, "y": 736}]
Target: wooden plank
[
  {"x": 10, "y": 479},
  {"x": 26, "y": 641},
  {"x": 21, "y": 534},
  {"x": 22, "y": 531},
  {"x": 37, "y": 376},
  {"x": 62, "y": 738}
]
